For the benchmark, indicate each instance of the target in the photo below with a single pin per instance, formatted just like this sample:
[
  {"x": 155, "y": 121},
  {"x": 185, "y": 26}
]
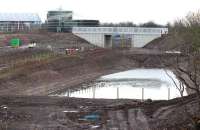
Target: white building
[{"x": 11, "y": 22}]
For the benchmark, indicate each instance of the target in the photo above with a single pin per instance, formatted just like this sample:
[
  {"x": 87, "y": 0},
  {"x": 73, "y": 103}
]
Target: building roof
[{"x": 26, "y": 17}]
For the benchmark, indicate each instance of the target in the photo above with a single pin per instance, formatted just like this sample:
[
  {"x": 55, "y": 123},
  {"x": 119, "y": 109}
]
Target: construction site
[{"x": 38, "y": 62}]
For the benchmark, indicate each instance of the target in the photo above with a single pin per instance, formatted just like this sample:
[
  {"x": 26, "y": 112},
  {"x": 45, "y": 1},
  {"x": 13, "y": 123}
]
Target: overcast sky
[{"x": 137, "y": 11}]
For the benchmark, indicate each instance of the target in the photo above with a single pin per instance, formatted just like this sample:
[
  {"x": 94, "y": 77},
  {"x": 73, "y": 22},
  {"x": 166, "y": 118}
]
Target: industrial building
[
  {"x": 14, "y": 22},
  {"x": 62, "y": 21}
]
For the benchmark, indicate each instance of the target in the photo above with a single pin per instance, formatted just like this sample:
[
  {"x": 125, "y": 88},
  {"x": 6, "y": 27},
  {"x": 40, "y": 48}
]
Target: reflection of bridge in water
[
  {"x": 130, "y": 88},
  {"x": 130, "y": 81},
  {"x": 108, "y": 37},
  {"x": 132, "y": 84}
]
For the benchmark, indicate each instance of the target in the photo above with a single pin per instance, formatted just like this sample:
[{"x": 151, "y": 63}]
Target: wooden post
[
  {"x": 7, "y": 27},
  {"x": 18, "y": 28},
  {"x": 68, "y": 93},
  {"x": 168, "y": 93},
  {"x": 142, "y": 94},
  {"x": 117, "y": 93},
  {"x": 93, "y": 90}
]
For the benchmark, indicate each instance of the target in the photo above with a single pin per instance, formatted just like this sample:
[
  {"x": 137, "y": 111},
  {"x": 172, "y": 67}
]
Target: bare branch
[{"x": 180, "y": 87}]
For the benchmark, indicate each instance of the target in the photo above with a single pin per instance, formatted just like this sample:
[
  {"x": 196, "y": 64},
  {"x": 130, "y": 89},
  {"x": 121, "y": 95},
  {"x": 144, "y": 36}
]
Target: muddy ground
[
  {"x": 56, "y": 113},
  {"x": 25, "y": 89},
  {"x": 28, "y": 76}
]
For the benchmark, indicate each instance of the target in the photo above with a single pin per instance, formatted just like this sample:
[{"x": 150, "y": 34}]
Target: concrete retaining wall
[{"x": 140, "y": 36}]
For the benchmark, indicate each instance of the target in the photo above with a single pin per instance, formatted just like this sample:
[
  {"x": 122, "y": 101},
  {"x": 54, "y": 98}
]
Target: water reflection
[{"x": 132, "y": 84}]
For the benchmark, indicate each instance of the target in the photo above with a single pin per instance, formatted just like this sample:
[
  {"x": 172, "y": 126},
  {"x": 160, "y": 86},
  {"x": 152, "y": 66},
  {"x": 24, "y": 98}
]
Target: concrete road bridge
[{"x": 108, "y": 37}]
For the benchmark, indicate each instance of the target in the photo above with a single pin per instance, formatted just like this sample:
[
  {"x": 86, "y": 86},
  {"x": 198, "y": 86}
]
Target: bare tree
[
  {"x": 179, "y": 85},
  {"x": 192, "y": 71},
  {"x": 187, "y": 68}
]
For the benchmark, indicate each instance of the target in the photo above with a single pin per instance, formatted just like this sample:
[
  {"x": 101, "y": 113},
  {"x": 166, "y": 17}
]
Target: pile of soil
[{"x": 166, "y": 43}]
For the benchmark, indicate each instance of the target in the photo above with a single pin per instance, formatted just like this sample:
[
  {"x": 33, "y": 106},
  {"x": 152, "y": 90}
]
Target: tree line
[{"x": 131, "y": 24}]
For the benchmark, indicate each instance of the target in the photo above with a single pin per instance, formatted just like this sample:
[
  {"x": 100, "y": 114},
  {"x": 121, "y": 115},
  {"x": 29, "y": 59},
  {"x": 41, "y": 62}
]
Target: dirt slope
[
  {"x": 58, "y": 39},
  {"x": 167, "y": 42},
  {"x": 42, "y": 76}
]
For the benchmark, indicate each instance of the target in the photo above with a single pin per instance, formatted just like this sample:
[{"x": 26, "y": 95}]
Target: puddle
[{"x": 133, "y": 84}]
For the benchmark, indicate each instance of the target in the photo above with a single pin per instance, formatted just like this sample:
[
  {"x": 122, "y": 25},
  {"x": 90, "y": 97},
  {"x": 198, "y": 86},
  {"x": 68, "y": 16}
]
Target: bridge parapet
[{"x": 120, "y": 30}]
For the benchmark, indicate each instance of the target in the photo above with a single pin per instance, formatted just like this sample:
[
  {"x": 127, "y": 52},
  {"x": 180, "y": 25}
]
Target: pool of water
[{"x": 133, "y": 84}]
